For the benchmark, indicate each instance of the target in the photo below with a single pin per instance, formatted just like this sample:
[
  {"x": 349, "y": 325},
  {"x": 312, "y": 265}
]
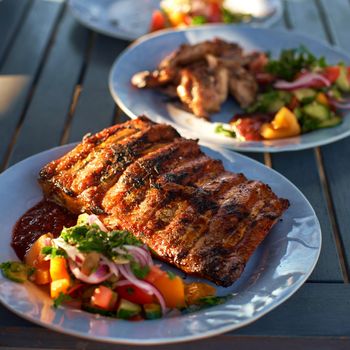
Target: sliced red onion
[
  {"x": 140, "y": 254},
  {"x": 147, "y": 287},
  {"x": 71, "y": 251},
  {"x": 339, "y": 104},
  {"x": 93, "y": 219},
  {"x": 112, "y": 266},
  {"x": 304, "y": 81},
  {"x": 100, "y": 275}
]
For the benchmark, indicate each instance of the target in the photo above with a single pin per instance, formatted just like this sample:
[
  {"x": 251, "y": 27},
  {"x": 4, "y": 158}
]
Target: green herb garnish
[
  {"x": 220, "y": 129},
  {"x": 292, "y": 61},
  {"x": 171, "y": 275},
  {"x": 90, "y": 238},
  {"x": 139, "y": 270},
  {"x": 198, "y": 20},
  {"x": 53, "y": 252},
  {"x": 61, "y": 299}
]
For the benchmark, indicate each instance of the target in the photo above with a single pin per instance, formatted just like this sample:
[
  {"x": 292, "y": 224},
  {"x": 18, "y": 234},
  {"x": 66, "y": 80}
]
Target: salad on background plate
[{"x": 289, "y": 92}]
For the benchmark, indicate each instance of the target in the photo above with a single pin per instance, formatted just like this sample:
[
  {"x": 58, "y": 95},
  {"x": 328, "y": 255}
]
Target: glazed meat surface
[
  {"x": 143, "y": 177},
  {"x": 203, "y": 75}
]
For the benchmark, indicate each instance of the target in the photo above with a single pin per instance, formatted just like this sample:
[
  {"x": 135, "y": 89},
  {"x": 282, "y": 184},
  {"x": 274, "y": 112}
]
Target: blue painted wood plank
[
  {"x": 22, "y": 64},
  {"x": 96, "y": 108},
  {"x": 12, "y": 13},
  {"x": 336, "y": 156},
  {"x": 303, "y": 17},
  {"x": 48, "y": 110}
]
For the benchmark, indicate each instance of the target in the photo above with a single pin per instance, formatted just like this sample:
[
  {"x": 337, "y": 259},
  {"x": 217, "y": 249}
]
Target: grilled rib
[{"x": 143, "y": 177}]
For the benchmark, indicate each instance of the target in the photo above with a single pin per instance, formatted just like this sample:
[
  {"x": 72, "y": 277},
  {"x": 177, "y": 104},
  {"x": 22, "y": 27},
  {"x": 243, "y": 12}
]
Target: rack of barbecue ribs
[{"x": 144, "y": 177}]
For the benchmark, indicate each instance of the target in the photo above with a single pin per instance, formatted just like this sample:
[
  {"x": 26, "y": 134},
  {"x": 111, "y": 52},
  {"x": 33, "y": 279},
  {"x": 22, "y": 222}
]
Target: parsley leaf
[
  {"x": 292, "y": 61},
  {"x": 61, "y": 299},
  {"x": 171, "y": 275},
  {"x": 139, "y": 270},
  {"x": 53, "y": 252}
]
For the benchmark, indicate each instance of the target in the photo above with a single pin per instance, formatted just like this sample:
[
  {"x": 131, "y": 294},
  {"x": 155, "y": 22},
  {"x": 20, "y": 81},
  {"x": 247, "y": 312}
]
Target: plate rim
[
  {"x": 232, "y": 147},
  {"x": 182, "y": 339},
  {"x": 265, "y": 24}
]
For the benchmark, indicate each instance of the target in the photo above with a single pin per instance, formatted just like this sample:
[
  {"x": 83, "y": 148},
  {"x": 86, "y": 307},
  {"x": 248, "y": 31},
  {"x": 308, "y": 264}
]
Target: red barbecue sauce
[{"x": 42, "y": 218}]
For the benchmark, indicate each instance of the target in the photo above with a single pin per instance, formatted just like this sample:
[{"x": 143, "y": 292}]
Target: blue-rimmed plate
[
  {"x": 126, "y": 19},
  {"x": 147, "y": 52},
  {"x": 277, "y": 269}
]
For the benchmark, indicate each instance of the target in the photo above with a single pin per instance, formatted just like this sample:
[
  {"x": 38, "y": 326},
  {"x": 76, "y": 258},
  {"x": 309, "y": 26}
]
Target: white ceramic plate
[
  {"x": 130, "y": 19},
  {"x": 276, "y": 270},
  {"x": 147, "y": 52}
]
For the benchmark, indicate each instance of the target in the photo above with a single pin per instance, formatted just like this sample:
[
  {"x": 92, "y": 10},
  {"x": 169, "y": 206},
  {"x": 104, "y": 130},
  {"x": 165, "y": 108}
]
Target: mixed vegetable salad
[
  {"x": 106, "y": 272},
  {"x": 182, "y": 13},
  {"x": 298, "y": 93}
]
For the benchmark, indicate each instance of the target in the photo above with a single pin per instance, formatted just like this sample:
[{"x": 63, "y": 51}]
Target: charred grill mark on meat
[{"x": 145, "y": 178}]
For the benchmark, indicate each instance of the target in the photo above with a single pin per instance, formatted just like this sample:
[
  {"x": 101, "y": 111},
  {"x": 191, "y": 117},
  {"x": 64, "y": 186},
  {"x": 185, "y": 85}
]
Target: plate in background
[
  {"x": 130, "y": 19},
  {"x": 153, "y": 47}
]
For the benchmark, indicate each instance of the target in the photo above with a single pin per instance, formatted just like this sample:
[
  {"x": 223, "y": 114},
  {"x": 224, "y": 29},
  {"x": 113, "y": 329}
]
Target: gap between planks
[
  {"x": 78, "y": 89},
  {"x": 15, "y": 32},
  {"x": 321, "y": 171},
  {"x": 330, "y": 206},
  {"x": 32, "y": 89}
]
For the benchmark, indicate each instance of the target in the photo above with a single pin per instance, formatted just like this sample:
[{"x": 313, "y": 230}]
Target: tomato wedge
[
  {"x": 154, "y": 274},
  {"x": 331, "y": 73},
  {"x": 158, "y": 21},
  {"x": 134, "y": 294},
  {"x": 214, "y": 13}
]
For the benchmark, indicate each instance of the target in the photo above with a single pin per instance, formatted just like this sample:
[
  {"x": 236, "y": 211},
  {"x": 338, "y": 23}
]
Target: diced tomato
[
  {"x": 264, "y": 78},
  {"x": 134, "y": 294},
  {"x": 257, "y": 65},
  {"x": 154, "y": 273},
  {"x": 348, "y": 73},
  {"x": 104, "y": 298},
  {"x": 214, "y": 13},
  {"x": 331, "y": 73},
  {"x": 158, "y": 21}
]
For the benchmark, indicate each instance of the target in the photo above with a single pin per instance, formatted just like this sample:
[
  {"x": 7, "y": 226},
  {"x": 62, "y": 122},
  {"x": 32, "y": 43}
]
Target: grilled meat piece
[
  {"x": 143, "y": 177},
  {"x": 203, "y": 89},
  {"x": 202, "y": 74}
]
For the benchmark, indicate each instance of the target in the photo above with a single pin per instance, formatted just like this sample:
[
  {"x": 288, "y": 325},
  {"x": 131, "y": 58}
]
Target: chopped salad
[
  {"x": 183, "y": 13},
  {"x": 106, "y": 272},
  {"x": 298, "y": 93}
]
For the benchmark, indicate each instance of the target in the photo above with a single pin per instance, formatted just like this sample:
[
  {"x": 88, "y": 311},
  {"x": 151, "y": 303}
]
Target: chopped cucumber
[
  {"x": 317, "y": 111},
  {"x": 270, "y": 102},
  {"x": 335, "y": 120},
  {"x": 302, "y": 94},
  {"x": 128, "y": 309},
  {"x": 343, "y": 82},
  {"x": 152, "y": 311},
  {"x": 297, "y": 112},
  {"x": 16, "y": 271}
]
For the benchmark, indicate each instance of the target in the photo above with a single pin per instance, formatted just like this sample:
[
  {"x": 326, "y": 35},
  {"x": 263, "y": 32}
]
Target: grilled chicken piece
[
  {"x": 143, "y": 177},
  {"x": 243, "y": 86},
  {"x": 203, "y": 89},
  {"x": 169, "y": 68}
]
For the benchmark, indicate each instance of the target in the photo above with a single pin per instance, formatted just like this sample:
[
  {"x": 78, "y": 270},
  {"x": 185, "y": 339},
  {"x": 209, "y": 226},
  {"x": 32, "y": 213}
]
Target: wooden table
[{"x": 53, "y": 90}]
